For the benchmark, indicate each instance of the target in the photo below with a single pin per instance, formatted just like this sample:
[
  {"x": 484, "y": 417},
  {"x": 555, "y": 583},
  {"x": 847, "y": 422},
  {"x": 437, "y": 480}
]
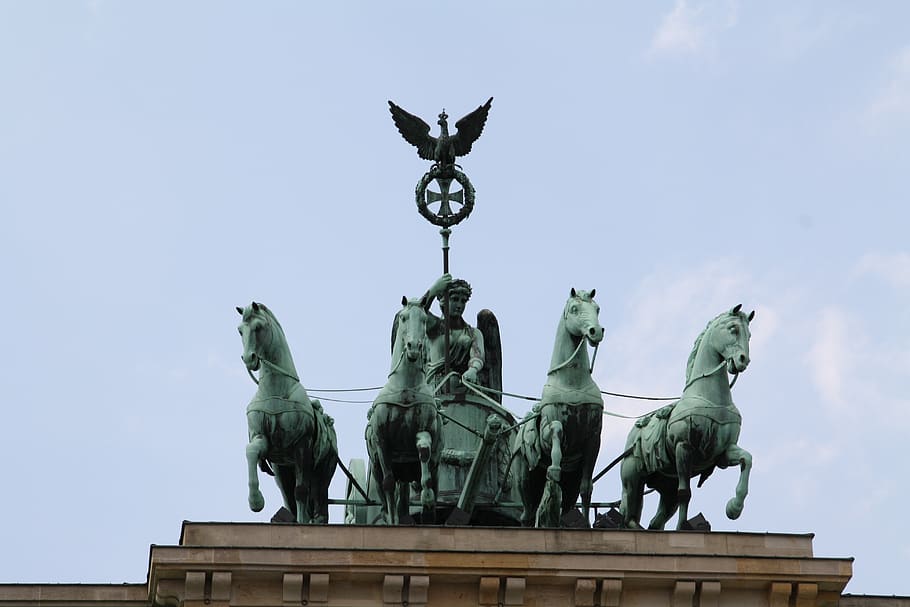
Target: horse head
[
  {"x": 257, "y": 335},
  {"x": 580, "y": 316},
  {"x": 729, "y": 336},
  {"x": 412, "y": 330}
]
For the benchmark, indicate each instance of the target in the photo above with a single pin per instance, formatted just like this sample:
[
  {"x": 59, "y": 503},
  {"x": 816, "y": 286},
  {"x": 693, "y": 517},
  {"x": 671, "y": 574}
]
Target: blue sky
[{"x": 162, "y": 163}]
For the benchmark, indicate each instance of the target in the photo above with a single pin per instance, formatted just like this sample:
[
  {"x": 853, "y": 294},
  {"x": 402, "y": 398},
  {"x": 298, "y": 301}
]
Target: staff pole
[{"x": 445, "y": 233}]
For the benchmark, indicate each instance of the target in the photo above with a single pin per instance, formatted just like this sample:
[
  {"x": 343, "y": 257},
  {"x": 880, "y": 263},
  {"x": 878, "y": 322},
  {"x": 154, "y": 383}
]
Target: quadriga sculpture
[
  {"x": 559, "y": 449},
  {"x": 695, "y": 434},
  {"x": 290, "y": 436},
  {"x": 403, "y": 431}
]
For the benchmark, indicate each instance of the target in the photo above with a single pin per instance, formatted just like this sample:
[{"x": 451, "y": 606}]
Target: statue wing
[
  {"x": 416, "y": 132},
  {"x": 469, "y": 129},
  {"x": 394, "y": 332},
  {"x": 491, "y": 374}
]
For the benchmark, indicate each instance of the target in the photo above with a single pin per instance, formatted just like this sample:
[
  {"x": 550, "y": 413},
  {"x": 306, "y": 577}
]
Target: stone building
[{"x": 282, "y": 565}]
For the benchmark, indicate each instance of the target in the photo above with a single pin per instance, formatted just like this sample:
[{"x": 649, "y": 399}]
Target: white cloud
[
  {"x": 859, "y": 379},
  {"x": 801, "y": 483},
  {"x": 892, "y": 268},
  {"x": 647, "y": 352},
  {"x": 820, "y": 385},
  {"x": 688, "y": 28},
  {"x": 803, "y": 28},
  {"x": 830, "y": 356},
  {"x": 891, "y": 105},
  {"x": 809, "y": 453}
]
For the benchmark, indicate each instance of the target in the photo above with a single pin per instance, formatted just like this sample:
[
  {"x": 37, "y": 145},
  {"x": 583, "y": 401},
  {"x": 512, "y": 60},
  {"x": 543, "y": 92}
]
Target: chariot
[{"x": 441, "y": 447}]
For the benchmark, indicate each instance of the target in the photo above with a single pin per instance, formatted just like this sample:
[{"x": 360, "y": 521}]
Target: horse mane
[{"x": 691, "y": 362}]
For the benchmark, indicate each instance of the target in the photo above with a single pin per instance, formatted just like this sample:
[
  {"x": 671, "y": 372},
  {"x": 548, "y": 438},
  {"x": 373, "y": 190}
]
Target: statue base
[
  {"x": 263, "y": 565},
  {"x": 289, "y": 565}
]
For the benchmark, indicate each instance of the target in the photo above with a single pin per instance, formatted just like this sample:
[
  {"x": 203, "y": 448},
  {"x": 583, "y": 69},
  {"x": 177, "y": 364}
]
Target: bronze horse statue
[
  {"x": 290, "y": 436},
  {"x": 558, "y": 450},
  {"x": 695, "y": 434},
  {"x": 403, "y": 432}
]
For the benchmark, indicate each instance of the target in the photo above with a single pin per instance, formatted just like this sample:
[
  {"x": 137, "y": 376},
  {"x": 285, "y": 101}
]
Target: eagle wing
[
  {"x": 469, "y": 128},
  {"x": 415, "y": 131}
]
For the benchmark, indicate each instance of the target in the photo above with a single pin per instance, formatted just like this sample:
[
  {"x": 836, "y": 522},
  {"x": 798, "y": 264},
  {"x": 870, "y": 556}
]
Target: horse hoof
[
  {"x": 734, "y": 509},
  {"x": 257, "y": 502}
]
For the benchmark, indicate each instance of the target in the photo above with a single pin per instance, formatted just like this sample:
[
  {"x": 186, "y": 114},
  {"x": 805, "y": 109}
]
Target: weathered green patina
[
  {"x": 695, "y": 434},
  {"x": 474, "y": 353},
  {"x": 291, "y": 438},
  {"x": 556, "y": 452},
  {"x": 403, "y": 430},
  {"x": 454, "y": 206},
  {"x": 438, "y": 428}
]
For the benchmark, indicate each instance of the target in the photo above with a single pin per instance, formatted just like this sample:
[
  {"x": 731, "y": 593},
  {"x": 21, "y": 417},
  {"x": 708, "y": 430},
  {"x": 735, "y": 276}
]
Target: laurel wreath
[{"x": 449, "y": 220}]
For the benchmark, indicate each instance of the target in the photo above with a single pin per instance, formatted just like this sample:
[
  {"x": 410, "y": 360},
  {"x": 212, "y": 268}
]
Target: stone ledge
[
  {"x": 175, "y": 562},
  {"x": 266, "y": 565},
  {"x": 495, "y": 566},
  {"x": 508, "y": 539},
  {"x": 86, "y": 595}
]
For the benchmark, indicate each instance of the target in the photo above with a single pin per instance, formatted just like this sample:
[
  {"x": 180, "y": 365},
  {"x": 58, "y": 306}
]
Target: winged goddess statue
[{"x": 444, "y": 149}]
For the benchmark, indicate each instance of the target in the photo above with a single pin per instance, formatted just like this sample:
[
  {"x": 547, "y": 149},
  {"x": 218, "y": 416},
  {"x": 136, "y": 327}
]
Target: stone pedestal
[
  {"x": 257, "y": 565},
  {"x": 280, "y": 565}
]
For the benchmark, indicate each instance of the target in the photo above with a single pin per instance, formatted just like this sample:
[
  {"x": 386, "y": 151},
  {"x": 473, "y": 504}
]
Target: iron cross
[{"x": 444, "y": 197}]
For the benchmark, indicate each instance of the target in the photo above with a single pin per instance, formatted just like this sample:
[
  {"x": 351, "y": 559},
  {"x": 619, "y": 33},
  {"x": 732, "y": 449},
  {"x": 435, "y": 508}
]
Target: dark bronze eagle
[{"x": 443, "y": 149}]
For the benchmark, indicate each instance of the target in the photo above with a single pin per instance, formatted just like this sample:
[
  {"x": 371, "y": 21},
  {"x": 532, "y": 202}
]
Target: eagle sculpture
[{"x": 443, "y": 149}]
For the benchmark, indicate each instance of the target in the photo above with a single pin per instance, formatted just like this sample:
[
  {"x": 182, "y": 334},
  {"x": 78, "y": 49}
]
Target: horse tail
[
  {"x": 325, "y": 441},
  {"x": 527, "y": 443}
]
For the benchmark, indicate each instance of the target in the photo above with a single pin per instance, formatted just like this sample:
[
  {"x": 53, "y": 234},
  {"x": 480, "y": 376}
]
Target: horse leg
[
  {"x": 735, "y": 453},
  {"x": 286, "y": 480},
  {"x": 255, "y": 451},
  {"x": 376, "y": 474},
  {"x": 319, "y": 497},
  {"x": 684, "y": 491},
  {"x": 553, "y": 433},
  {"x": 633, "y": 488},
  {"x": 589, "y": 458},
  {"x": 387, "y": 488},
  {"x": 520, "y": 476},
  {"x": 550, "y": 507},
  {"x": 427, "y": 497},
  {"x": 382, "y": 472},
  {"x": 669, "y": 502},
  {"x": 303, "y": 473}
]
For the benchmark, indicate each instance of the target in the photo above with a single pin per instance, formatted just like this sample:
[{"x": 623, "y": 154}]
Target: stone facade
[{"x": 274, "y": 565}]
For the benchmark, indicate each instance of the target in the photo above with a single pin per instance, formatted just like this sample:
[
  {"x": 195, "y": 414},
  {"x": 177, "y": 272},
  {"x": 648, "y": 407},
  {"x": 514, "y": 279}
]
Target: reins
[
  {"x": 274, "y": 367},
  {"x": 568, "y": 360},
  {"x": 719, "y": 366}
]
